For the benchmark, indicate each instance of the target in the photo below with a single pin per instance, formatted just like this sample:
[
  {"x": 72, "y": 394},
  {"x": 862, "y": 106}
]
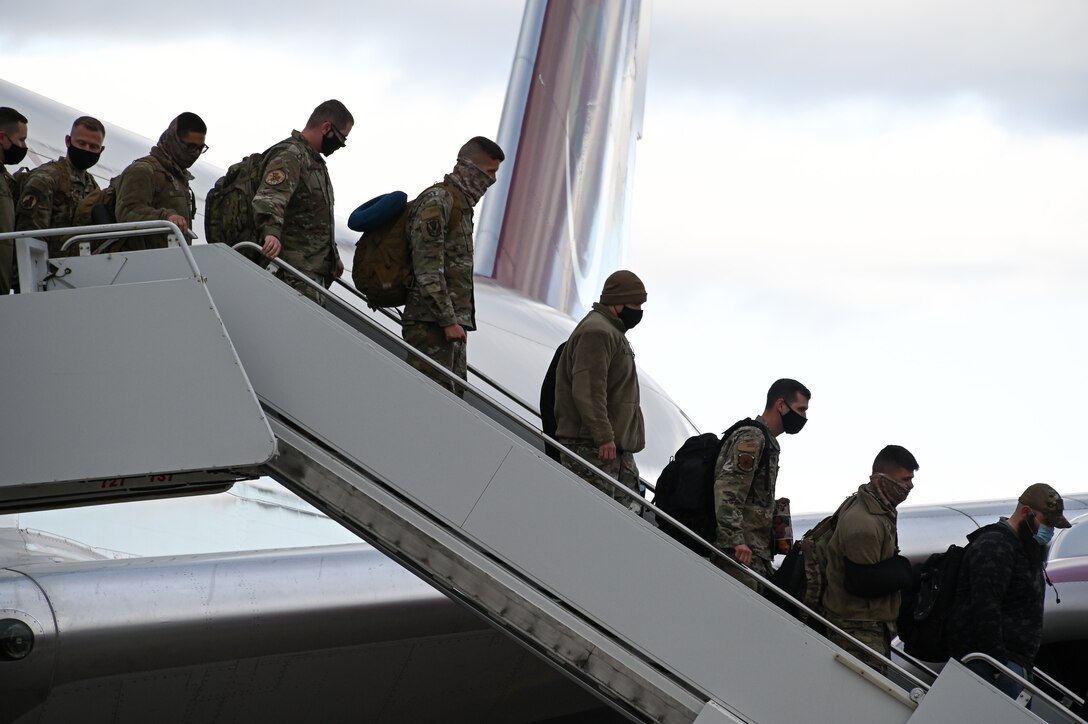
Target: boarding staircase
[{"x": 211, "y": 369}]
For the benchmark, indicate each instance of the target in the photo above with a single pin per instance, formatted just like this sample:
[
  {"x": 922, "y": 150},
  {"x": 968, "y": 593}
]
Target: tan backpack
[{"x": 382, "y": 267}]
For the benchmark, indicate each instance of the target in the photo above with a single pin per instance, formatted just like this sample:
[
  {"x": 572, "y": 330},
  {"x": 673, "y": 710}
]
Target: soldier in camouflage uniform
[
  {"x": 865, "y": 572},
  {"x": 441, "y": 307},
  {"x": 157, "y": 186},
  {"x": 598, "y": 414},
  {"x": 293, "y": 207},
  {"x": 998, "y": 607},
  {"x": 13, "y": 143},
  {"x": 53, "y": 190},
  {"x": 744, "y": 480}
]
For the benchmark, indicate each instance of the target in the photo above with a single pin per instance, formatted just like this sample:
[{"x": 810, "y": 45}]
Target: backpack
[
  {"x": 18, "y": 183},
  {"x": 922, "y": 626},
  {"x": 685, "y": 488},
  {"x": 548, "y": 423},
  {"x": 228, "y": 207},
  {"x": 20, "y": 177},
  {"x": 100, "y": 206},
  {"x": 382, "y": 266},
  {"x": 97, "y": 207},
  {"x": 803, "y": 572}
]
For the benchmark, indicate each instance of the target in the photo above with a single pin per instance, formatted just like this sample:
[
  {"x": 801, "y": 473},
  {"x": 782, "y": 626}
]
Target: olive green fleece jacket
[
  {"x": 596, "y": 385},
  {"x": 865, "y": 535}
]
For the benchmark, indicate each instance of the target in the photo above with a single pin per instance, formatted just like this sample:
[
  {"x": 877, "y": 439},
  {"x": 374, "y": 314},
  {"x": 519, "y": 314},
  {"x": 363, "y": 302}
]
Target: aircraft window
[{"x": 1072, "y": 542}]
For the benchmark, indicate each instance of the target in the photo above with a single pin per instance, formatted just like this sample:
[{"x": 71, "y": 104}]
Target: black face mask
[
  {"x": 81, "y": 158},
  {"x": 330, "y": 143},
  {"x": 630, "y": 317},
  {"x": 792, "y": 422},
  {"x": 14, "y": 155}
]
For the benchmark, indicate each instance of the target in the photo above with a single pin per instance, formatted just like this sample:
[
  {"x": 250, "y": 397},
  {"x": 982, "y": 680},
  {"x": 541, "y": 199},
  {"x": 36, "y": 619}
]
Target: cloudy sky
[{"x": 886, "y": 201}]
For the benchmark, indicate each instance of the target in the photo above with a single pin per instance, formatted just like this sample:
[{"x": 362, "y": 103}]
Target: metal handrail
[
  {"x": 134, "y": 228},
  {"x": 1030, "y": 686},
  {"x": 1057, "y": 686},
  {"x": 711, "y": 551},
  {"x": 396, "y": 317},
  {"x": 916, "y": 662},
  {"x": 1068, "y": 696},
  {"x": 103, "y": 231},
  {"x": 355, "y": 312}
]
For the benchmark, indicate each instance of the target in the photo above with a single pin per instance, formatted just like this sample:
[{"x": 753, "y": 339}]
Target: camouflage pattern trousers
[
  {"x": 877, "y": 635},
  {"x": 758, "y": 565},
  {"x": 430, "y": 339},
  {"x": 623, "y": 468},
  {"x": 306, "y": 289}
]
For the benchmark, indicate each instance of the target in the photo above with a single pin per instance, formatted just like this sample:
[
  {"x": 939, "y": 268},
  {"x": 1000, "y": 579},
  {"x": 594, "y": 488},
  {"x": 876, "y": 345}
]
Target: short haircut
[
  {"x": 893, "y": 458},
  {"x": 480, "y": 148},
  {"x": 786, "y": 390},
  {"x": 91, "y": 124},
  {"x": 190, "y": 123},
  {"x": 10, "y": 119},
  {"x": 332, "y": 111}
]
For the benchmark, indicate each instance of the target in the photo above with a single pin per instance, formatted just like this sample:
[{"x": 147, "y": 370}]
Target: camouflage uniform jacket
[
  {"x": 744, "y": 491},
  {"x": 149, "y": 189},
  {"x": 49, "y": 198},
  {"x": 7, "y": 202},
  {"x": 294, "y": 203},
  {"x": 998, "y": 608},
  {"x": 596, "y": 385},
  {"x": 7, "y": 223},
  {"x": 441, "y": 260},
  {"x": 865, "y": 534}
]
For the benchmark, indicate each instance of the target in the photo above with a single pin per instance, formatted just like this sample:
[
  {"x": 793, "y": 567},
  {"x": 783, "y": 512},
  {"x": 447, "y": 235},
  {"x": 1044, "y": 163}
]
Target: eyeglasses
[{"x": 203, "y": 147}]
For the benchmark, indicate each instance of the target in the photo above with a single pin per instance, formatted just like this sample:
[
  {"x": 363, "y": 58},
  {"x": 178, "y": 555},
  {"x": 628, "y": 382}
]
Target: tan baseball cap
[{"x": 1045, "y": 500}]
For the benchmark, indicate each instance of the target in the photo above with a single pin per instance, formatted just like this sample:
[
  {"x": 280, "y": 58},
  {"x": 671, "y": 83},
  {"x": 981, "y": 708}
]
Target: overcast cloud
[
  {"x": 884, "y": 200},
  {"x": 1027, "y": 59}
]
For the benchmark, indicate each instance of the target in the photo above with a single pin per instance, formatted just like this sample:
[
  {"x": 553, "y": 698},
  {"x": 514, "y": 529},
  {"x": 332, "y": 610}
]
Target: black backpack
[
  {"x": 548, "y": 423},
  {"x": 685, "y": 488},
  {"x": 924, "y": 614}
]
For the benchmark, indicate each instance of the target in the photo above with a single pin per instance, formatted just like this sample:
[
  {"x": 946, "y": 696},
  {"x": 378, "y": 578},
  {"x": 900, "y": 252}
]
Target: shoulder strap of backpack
[
  {"x": 265, "y": 154},
  {"x": 751, "y": 422},
  {"x": 18, "y": 182},
  {"x": 831, "y": 522},
  {"x": 458, "y": 201}
]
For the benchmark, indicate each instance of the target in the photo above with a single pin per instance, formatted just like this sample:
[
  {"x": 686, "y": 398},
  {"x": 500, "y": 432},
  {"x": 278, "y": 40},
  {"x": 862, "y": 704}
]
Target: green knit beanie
[{"x": 623, "y": 287}]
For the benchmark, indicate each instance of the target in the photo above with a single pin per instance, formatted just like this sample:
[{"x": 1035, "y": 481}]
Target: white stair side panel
[
  {"x": 145, "y": 366},
  {"x": 959, "y": 695}
]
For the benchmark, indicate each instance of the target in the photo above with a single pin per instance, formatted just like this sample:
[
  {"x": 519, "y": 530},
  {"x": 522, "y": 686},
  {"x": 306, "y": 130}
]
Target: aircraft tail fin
[{"x": 557, "y": 222}]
